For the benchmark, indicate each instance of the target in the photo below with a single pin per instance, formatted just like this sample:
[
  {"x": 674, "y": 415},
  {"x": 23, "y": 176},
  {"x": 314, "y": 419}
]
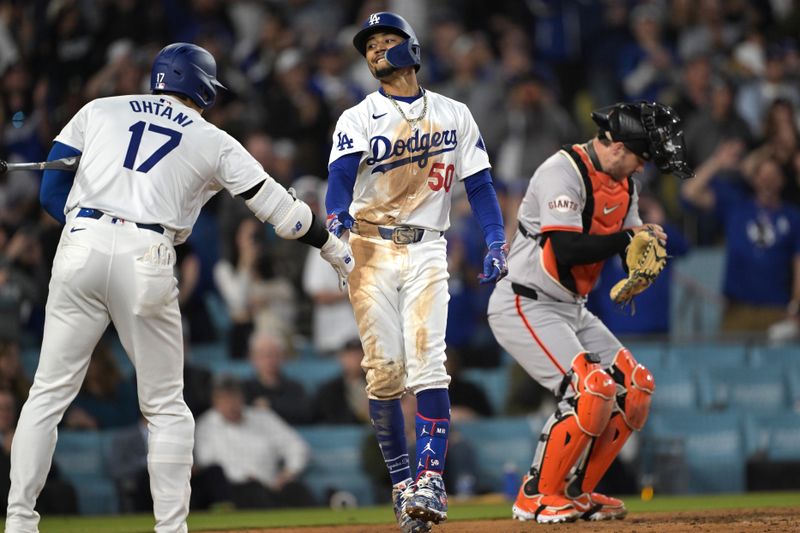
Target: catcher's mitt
[{"x": 646, "y": 257}]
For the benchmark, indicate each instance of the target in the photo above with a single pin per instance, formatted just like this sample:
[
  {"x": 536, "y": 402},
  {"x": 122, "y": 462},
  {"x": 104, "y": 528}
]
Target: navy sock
[
  {"x": 433, "y": 425},
  {"x": 387, "y": 419}
]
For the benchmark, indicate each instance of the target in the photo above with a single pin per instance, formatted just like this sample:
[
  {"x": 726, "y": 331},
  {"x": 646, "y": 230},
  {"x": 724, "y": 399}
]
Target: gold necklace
[{"x": 412, "y": 122}]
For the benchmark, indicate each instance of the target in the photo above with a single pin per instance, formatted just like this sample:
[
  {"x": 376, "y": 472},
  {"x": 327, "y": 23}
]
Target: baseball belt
[
  {"x": 396, "y": 234},
  {"x": 96, "y": 214}
]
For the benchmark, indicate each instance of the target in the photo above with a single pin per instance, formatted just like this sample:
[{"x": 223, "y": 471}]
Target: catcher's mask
[{"x": 650, "y": 130}]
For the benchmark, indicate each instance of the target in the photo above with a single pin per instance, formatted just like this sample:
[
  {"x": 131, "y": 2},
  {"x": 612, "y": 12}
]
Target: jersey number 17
[{"x": 137, "y": 131}]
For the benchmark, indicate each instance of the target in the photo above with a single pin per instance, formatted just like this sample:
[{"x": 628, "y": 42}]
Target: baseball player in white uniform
[
  {"x": 395, "y": 159},
  {"x": 148, "y": 163},
  {"x": 580, "y": 209}
]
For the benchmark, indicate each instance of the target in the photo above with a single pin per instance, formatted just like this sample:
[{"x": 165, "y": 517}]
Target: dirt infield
[{"x": 777, "y": 520}]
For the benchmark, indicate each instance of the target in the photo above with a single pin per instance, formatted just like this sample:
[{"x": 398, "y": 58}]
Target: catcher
[{"x": 581, "y": 208}]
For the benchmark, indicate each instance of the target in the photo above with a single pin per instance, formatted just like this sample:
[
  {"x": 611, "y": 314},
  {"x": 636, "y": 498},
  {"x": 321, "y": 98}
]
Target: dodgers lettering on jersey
[
  {"x": 154, "y": 160},
  {"x": 406, "y": 174}
]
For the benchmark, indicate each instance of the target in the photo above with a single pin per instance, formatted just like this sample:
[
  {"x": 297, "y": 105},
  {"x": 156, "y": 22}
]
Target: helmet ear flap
[{"x": 405, "y": 54}]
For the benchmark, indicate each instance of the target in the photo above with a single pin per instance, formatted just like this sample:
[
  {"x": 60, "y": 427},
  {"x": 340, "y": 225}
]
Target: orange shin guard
[
  {"x": 633, "y": 406},
  {"x": 565, "y": 437}
]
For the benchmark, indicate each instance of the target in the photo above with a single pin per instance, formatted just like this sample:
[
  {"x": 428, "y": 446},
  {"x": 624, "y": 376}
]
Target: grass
[{"x": 483, "y": 508}]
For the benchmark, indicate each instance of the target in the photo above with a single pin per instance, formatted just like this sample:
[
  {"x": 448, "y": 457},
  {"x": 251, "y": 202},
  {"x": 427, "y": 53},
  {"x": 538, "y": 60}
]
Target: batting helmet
[
  {"x": 405, "y": 54},
  {"x": 186, "y": 69},
  {"x": 650, "y": 130}
]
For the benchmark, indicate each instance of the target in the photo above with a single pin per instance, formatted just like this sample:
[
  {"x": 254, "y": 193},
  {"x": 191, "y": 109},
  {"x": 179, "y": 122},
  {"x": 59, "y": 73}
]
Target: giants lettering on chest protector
[{"x": 414, "y": 149}]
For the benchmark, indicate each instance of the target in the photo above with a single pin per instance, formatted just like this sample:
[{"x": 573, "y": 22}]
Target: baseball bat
[{"x": 67, "y": 163}]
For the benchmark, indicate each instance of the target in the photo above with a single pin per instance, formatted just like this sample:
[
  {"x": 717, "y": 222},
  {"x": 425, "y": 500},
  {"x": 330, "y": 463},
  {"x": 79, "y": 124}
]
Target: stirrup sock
[
  {"x": 433, "y": 427},
  {"x": 386, "y": 417}
]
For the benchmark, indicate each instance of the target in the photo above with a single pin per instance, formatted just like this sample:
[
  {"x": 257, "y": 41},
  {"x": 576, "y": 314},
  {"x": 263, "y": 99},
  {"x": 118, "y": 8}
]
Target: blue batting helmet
[
  {"x": 405, "y": 54},
  {"x": 186, "y": 69}
]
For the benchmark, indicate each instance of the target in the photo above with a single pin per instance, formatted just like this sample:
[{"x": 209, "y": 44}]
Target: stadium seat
[
  {"x": 311, "y": 373},
  {"x": 29, "y": 358},
  {"x": 775, "y": 436},
  {"x": 227, "y": 367},
  {"x": 79, "y": 453},
  {"x": 762, "y": 390},
  {"x": 493, "y": 381},
  {"x": 781, "y": 356},
  {"x": 206, "y": 354},
  {"x": 501, "y": 443},
  {"x": 218, "y": 313},
  {"x": 706, "y": 451},
  {"x": 336, "y": 462},
  {"x": 676, "y": 388},
  {"x": 704, "y": 355},
  {"x": 650, "y": 355},
  {"x": 80, "y": 459}
]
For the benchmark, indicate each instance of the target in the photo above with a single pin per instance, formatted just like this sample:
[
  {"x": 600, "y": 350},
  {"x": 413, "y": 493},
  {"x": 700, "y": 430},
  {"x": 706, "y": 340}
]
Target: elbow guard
[{"x": 272, "y": 203}]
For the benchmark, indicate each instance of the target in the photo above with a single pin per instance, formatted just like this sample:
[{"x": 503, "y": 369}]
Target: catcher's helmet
[
  {"x": 186, "y": 69},
  {"x": 405, "y": 54},
  {"x": 650, "y": 130}
]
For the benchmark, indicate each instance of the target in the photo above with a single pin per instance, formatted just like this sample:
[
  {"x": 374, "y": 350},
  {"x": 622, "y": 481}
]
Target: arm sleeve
[
  {"x": 573, "y": 248},
  {"x": 483, "y": 199},
  {"x": 341, "y": 181},
  {"x": 56, "y": 184}
]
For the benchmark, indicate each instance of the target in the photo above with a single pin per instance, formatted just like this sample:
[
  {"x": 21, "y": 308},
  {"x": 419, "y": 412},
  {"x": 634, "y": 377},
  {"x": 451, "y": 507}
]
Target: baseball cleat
[
  {"x": 543, "y": 508},
  {"x": 401, "y": 492},
  {"x": 429, "y": 501},
  {"x": 595, "y": 506}
]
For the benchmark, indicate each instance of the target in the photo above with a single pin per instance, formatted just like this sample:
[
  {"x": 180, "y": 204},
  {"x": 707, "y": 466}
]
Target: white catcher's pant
[
  {"x": 97, "y": 276},
  {"x": 399, "y": 296}
]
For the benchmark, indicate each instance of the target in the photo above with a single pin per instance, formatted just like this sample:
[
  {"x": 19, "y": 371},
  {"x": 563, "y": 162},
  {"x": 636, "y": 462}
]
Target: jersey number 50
[
  {"x": 137, "y": 130},
  {"x": 437, "y": 180}
]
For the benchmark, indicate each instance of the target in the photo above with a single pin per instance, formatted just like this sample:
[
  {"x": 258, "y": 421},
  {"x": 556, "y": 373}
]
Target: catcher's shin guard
[
  {"x": 636, "y": 386},
  {"x": 565, "y": 436}
]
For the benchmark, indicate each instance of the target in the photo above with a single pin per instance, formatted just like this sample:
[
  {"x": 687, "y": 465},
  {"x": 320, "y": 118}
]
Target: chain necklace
[{"x": 412, "y": 122}]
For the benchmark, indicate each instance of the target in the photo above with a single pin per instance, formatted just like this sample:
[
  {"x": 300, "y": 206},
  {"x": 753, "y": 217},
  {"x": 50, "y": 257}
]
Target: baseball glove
[{"x": 646, "y": 257}]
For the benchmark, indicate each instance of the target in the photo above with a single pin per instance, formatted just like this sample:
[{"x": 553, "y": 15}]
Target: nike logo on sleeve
[
  {"x": 374, "y": 116},
  {"x": 608, "y": 210},
  {"x": 73, "y": 230}
]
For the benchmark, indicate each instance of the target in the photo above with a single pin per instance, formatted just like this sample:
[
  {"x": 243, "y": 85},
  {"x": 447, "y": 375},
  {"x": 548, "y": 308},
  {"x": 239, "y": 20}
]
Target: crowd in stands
[{"x": 530, "y": 72}]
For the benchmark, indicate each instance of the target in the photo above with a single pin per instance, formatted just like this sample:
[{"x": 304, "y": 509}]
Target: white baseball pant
[{"x": 98, "y": 275}]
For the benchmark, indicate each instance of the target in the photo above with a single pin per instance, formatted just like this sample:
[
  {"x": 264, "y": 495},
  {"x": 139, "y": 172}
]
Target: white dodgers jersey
[
  {"x": 151, "y": 159},
  {"x": 406, "y": 175}
]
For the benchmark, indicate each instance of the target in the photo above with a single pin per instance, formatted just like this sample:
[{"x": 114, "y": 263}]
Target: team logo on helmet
[{"x": 374, "y": 19}]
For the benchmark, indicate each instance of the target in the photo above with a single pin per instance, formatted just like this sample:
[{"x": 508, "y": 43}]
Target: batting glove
[
  {"x": 338, "y": 254},
  {"x": 494, "y": 264},
  {"x": 336, "y": 223}
]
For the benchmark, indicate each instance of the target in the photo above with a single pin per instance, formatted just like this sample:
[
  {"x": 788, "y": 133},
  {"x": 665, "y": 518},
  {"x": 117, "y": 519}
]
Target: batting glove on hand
[
  {"x": 338, "y": 254},
  {"x": 494, "y": 264},
  {"x": 338, "y": 222}
]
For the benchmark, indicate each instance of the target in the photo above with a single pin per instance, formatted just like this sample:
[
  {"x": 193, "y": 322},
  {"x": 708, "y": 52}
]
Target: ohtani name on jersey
[
  {"x": 419, "y": 147},
  {"x": 162, "y": 110}
]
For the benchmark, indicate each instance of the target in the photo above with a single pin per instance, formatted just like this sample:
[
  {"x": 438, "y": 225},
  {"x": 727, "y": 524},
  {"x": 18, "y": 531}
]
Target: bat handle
[{"x": 3, "y": 166}]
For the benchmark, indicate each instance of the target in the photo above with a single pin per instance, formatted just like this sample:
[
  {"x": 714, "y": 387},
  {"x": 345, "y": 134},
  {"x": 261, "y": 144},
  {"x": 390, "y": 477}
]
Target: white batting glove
[{"x": 338, "y": 254}]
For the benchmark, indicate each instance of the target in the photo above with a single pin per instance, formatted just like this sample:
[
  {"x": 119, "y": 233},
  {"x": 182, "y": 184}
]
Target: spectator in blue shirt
[{"x": 762, "y": 232}]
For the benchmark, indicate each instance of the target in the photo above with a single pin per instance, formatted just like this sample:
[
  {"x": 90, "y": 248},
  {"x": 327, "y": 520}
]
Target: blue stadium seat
[
  {"x": 218, "y": 312},
  {"x": 762, "y": 390},
  {"x": 676, "y": 388},
  {"x": 711, "y": 448},
  {"x": 206, "y": 354},
  {"x": 781, "y": 356},
  {"x": 79, "y": 453},
  {"x": 311, "y": 373},
  {"x": 80, "y": 459},
  {"x": 774, "y": 435},
  {"x": 649, "y": 354},
  {"x": 494, "y": 382},
  {"x": 704, "y": 355},
  {"x": 227, "y": 367},
  {"x": 501, "y": 443},
  {"x": 336, "y": 462},
  {"x": 96, "y": 495}
]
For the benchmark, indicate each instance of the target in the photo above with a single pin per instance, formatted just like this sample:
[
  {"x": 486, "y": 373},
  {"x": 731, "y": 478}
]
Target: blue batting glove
[
  {"x": 494, "y": 264},
  {"x": 336, "y": 223}
]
